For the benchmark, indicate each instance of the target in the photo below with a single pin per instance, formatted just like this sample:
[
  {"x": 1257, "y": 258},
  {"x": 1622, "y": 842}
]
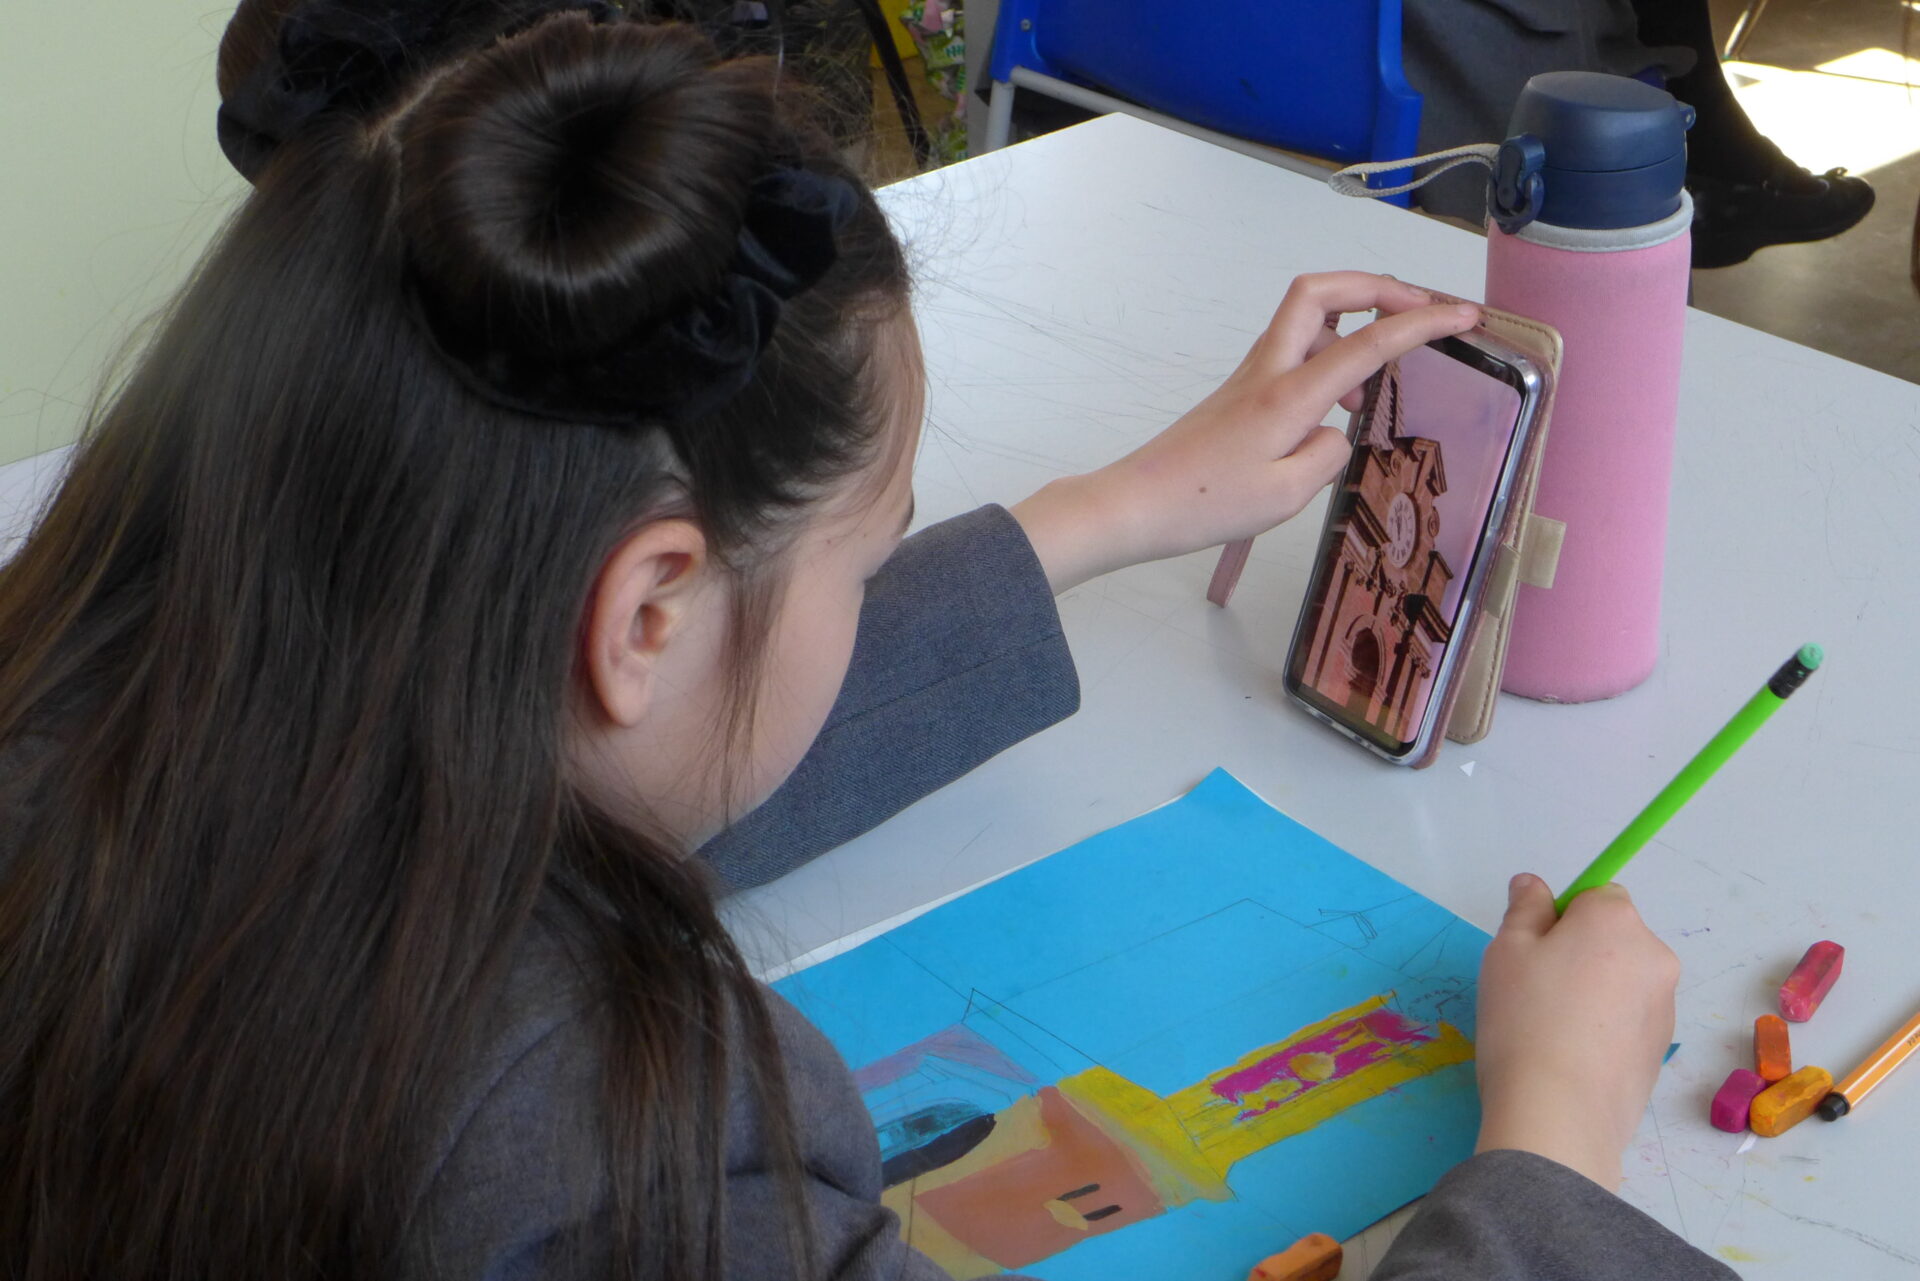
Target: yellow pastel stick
[{"x": 1785, "y": 1104}]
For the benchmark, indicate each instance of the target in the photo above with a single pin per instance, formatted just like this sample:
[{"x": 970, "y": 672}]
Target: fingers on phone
[
  {"x": 1312, "y": 300},
  {"x": 1352, "y": 360},
  {"x": 1357, "y": 396}
]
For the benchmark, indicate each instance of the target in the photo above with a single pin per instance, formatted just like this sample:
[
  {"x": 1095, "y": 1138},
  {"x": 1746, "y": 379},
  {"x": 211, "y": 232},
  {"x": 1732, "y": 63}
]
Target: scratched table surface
[{"x": 1079, "y": 292}]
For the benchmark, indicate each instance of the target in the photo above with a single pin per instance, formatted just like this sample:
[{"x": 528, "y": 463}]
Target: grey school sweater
[{"x": 959, "y": 656}]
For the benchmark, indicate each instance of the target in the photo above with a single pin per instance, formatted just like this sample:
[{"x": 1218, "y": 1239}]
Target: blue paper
[{"x": 1163, "y": 1053}]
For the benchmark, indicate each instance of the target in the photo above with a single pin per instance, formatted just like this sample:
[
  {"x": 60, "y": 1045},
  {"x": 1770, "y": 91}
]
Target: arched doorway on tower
[{"x": 1363, "y": 669}]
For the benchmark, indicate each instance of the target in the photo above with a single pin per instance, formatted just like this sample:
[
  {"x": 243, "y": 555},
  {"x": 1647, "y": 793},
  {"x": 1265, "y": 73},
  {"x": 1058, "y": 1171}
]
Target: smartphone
[{"x": 1412, "y": 531}]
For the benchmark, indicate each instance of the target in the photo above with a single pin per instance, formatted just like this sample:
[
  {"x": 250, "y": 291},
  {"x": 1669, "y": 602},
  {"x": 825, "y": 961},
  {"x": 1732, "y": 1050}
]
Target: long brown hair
[{"x": 286, "y": 664}]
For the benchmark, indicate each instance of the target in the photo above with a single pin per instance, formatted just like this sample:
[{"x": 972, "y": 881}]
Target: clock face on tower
[{"x": 1402, "y": 528}]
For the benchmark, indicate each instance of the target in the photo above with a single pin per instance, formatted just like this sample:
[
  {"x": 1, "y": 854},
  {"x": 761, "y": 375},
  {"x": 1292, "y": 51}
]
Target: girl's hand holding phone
[
  {"x": 1576, "y": 1013},
  {"x": 1250, "y": 455}
]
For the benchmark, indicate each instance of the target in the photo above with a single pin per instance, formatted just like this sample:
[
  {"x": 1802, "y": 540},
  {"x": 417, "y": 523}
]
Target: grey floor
[{"x": 1852, "y": 295}]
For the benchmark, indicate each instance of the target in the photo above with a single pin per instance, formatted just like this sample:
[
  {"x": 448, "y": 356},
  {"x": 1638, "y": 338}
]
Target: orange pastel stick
[
  {"x": 1315, "y": 1257},
  {"x": 1772, "y": 1052},
  {"x": 1785, "y": 1104}
]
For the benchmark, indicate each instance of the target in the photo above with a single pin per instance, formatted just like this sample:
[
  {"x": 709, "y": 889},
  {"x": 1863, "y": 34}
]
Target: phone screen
[{"x": 1403, "y": 531}]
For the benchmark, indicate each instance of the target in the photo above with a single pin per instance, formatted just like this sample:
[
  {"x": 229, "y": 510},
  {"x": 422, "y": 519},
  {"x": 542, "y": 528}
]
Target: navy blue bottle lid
[{"x": 1587, "y": 149}]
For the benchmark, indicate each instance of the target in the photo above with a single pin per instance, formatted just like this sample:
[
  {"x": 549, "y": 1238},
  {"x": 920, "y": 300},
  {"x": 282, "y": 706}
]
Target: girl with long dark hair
[{"x": 499, "y": 514}]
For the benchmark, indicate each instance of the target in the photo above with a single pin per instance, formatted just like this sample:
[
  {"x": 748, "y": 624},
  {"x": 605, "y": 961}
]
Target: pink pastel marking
[
  {"x": 1734, "y": 1100},
  {"x": 957, "y": 1044},
  {"x": 1811, "y": 980},
  {"x": 1352, "y": 1045}
]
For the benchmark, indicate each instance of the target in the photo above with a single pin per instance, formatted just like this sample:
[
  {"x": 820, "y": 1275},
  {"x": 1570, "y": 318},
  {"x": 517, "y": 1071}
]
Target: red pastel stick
[{"x": 1811, "y": 980}]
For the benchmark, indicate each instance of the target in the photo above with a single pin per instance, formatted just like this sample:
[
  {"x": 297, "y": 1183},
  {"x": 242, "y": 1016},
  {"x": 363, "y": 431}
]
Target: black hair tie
[{"x": 681, "y": 367}]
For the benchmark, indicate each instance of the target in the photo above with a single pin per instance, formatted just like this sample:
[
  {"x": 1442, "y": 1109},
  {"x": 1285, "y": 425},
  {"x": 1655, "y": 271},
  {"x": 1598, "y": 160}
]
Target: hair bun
[
  {"x": 572, "y": 183},
  {"x": 284, "y": 63}
]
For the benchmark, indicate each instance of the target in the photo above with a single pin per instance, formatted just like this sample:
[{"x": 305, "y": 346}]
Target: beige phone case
[
  {"x": 1529, "y": 545},
  {"x": 1529, "y": 550}
]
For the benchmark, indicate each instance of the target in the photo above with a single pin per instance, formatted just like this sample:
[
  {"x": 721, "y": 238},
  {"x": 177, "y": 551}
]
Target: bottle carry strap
[
  {"x": 1515, "y": 164},
  {"x": 1352, "y": 181}
]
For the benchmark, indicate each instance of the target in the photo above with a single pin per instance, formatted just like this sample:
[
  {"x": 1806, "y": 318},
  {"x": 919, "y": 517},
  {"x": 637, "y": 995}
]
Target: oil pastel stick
[
  {"x": 1733, "y": 1100},
  {"x": 1315, "y": 1257},
  {"x": 1785, "y": 1104},
  {"x": 1811, "y": 980},
  {"x": 1772, "y": 1050}
]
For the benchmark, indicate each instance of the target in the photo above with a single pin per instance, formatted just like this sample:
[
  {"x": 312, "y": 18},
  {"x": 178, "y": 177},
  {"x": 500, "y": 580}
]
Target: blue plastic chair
[{"x": 1320, "y": 77}]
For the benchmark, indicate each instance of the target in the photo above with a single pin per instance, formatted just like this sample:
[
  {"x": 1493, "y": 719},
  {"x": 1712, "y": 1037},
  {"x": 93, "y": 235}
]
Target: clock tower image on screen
[{"x": 1378, "y": 624}]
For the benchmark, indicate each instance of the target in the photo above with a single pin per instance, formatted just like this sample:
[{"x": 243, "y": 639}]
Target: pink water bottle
[{"x": 1591, "y": 236}]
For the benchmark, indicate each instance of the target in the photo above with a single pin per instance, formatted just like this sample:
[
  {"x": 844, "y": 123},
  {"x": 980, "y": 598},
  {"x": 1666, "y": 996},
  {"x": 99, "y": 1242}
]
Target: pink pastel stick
[
  {"x": 1733, "y": 1099},
  {"x": 1811, "y": 980}
]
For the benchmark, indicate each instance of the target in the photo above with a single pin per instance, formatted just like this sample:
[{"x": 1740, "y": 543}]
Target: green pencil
[{"x": 1792, "y": 674}]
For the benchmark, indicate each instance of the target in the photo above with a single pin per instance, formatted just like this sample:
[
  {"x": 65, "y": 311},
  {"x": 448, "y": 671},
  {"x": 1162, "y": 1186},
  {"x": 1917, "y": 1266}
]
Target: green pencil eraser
[{"x": 1810, "y": 656}]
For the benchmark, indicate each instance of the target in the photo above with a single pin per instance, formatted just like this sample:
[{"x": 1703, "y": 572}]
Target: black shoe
[{"x": 1790, "y": 205}]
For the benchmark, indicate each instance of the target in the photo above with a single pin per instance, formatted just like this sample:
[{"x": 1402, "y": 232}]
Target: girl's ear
[{"x": 640, "y": 602}]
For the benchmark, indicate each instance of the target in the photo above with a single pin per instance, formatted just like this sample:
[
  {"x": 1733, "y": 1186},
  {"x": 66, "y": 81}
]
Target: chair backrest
[{"x": 1316, "y": 76}]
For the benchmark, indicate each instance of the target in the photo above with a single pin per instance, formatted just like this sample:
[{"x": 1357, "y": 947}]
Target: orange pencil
[{"x": 1860, "y": 1082}]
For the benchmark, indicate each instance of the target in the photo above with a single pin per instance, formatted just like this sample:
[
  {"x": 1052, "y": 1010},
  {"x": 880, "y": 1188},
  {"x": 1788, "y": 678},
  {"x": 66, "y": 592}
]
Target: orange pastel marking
[
  {"x": 1772, "y": 1050},
  {"x": 1315, "y": 1257},
  {"x": 1785, "y": 1104}
]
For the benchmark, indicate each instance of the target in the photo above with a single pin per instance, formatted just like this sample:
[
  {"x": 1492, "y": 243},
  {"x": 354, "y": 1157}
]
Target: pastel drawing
[
  {"x": 1162, "y": 1053},
  {"x": 1095, "y": 1152}
]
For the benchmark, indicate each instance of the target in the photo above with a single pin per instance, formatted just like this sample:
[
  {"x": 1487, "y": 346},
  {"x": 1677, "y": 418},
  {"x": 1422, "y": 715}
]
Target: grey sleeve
[
  {"x": 1514, "y": 1216},
  {"x": 855, "y": 1239},
  {"x": 959, "y": 656},
  {"x": 520, "y": 1192}
]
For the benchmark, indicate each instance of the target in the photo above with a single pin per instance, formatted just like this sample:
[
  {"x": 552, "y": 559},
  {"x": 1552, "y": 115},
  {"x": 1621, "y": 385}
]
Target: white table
[{"x": 1080, "y": 291}]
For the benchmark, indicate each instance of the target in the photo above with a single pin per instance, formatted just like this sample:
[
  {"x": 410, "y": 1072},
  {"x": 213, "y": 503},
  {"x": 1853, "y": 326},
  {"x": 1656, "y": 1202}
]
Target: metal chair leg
[
  {"x": 896, "y": 72},
  {"x": 999, "y": 116},
  {"x": 1913, "y": 263},
  {"x": 1749, "y": 19}
]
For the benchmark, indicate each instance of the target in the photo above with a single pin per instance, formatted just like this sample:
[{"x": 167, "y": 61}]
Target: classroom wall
[{"x": 111, "y": 182}]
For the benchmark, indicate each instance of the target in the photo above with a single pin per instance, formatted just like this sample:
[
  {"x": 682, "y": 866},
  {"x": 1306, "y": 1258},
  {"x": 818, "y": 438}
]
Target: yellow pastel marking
[
  {"x": 1312, "y": 1066},
  {"x": 1227, "y": 1132},
  {"x": 1146, "y": 1128}
]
